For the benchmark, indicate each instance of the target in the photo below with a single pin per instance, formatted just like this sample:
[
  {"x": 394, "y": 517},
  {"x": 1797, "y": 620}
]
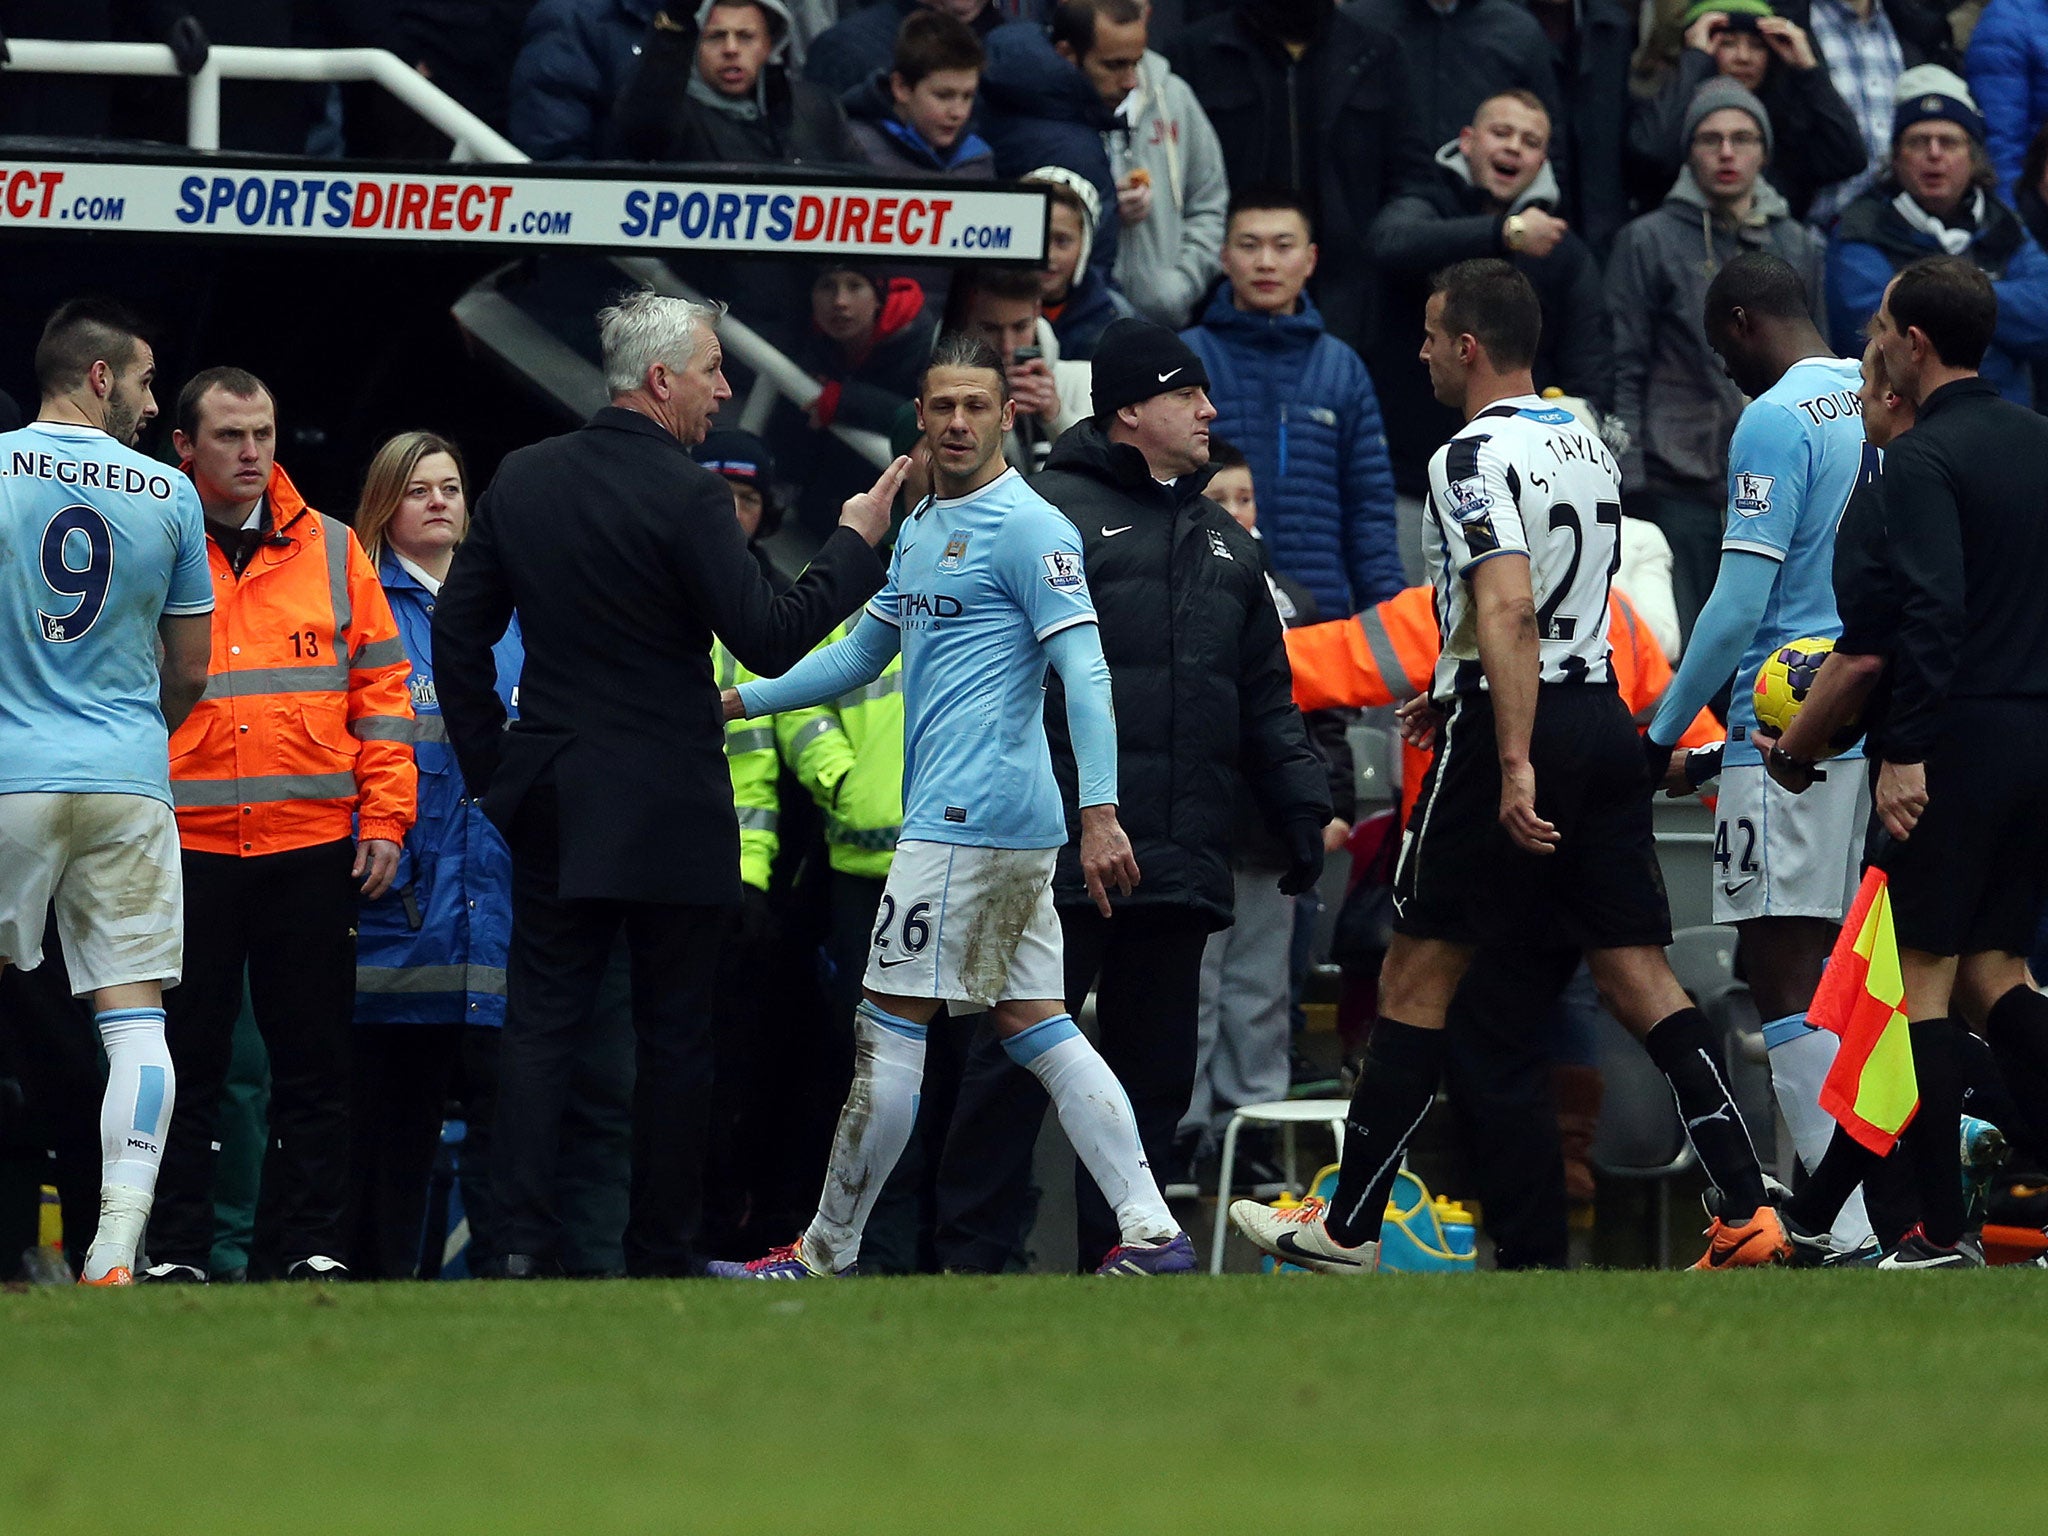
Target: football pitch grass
[{"x": 1591, "y": 1401}]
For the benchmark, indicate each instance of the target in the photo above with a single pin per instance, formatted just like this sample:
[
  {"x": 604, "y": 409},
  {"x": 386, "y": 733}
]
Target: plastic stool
[{"x": 1287, "y": 1114}]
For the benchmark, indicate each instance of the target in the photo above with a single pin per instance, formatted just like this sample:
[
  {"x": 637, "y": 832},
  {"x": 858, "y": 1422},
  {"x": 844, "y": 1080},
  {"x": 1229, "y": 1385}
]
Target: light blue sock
[{"x": 1800, "y": 1056}]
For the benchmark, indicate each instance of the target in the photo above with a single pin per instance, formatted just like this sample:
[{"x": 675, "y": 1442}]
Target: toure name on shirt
[
  {"x": 88, "y": 474},
  {"x": 1832, "y": 406}
]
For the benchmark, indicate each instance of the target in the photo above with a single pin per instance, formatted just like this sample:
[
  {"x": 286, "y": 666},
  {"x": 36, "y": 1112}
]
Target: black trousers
[
  {"x": 559, "y": 951},
  {"x": 286, "y": 921},
  {"x": 1145, "y": 965},
  {"x": 1497, "y": 1067},
  {"x": 48, "y": 1045},
  {"x": 406, "y": 1077}
]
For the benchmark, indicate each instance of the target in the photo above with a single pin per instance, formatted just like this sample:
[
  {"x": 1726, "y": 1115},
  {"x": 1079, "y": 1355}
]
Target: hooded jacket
[
  {"x": 1168, "y": 259},
  {"x": 1037, "y": 109},
  {"x": 1302, "y": 407},
  {"x": 868, "y": 390},
  {"x": 576, "y": 58},
  {"x": 665, "y": 112},
  {"x": 1818, "y": 141},
  {"x": 432, "y": 949},
  {"x": 1337, "y": 124},
  {"x": 1670, "y": 391},
  {"x": 1450, "y": 221},
  {"x": 889, "y": 144},
  {"x": 1199, "y": 673},
  {"x": 1873, "y": 239}
]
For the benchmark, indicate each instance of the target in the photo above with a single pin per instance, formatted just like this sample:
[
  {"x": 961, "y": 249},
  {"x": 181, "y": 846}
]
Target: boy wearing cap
[
  {"x": 1747, "y": 41},
  {"x": 1937, "y": 199},
  {"x": 1670, "y": 391},
  {"x": 1075, "y": 299}
]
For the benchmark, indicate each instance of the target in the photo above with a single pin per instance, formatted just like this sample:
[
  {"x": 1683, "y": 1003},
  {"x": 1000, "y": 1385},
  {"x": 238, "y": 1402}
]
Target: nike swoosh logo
[
  {"x": 1738, "y": 887},
  {"x": 1110, "y": 533},
  {"x": 1286, "y": 1244},
  {"x": 1939, "y": 1261},
  {"x": 1168, "y": 374},
  {"x": 904, "y": 960}
]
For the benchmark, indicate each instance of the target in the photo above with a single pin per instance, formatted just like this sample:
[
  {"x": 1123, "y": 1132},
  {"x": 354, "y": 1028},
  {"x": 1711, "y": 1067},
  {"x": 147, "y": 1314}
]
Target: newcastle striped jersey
[{"x": 1524, "y": 477}]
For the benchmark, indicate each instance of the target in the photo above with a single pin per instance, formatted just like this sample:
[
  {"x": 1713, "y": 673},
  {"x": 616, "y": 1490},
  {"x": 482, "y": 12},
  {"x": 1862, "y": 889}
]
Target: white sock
[
  {"x": 1800, "y": 1057},
  {"x": 134, "y": 1116},
  {"x": 1095, "y": 1112},
  {"x": 874, "y": 1128}
]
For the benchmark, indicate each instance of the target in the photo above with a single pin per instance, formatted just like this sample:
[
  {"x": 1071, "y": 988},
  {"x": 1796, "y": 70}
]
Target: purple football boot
[
  {"x": 785, "y": 1263},
  {"x": 1176, "y": 1256}
]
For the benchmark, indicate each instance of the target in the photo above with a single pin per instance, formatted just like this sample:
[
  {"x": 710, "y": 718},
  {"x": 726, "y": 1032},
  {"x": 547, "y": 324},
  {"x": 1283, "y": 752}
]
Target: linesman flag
[{"x": 1870, "y": 1089}]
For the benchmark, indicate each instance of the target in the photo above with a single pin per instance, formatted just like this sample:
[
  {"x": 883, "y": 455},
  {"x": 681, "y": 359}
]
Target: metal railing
[{"x": 474, "y": 139}]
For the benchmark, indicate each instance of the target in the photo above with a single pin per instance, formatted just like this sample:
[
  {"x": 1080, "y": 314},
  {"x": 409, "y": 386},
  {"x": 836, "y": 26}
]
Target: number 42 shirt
[{"x": 97, "y": 544}]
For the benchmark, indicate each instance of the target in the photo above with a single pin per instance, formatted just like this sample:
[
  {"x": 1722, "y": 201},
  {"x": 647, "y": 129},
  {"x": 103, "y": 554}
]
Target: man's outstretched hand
[{"x": 868, "y": 513}]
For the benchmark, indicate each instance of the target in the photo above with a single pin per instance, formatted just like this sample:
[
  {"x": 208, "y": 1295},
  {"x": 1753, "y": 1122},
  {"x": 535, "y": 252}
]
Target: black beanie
[{"x": 1137, "y": 359}]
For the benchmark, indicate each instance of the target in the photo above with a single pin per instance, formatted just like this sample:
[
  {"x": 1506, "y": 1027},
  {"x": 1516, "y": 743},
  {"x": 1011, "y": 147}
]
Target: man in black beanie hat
[
  {"x": 1203, "y": 702},
  {"x": 745, "y": 463}
]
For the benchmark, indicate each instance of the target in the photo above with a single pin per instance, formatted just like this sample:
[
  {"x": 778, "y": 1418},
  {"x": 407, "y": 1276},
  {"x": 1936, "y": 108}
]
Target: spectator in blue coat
[
  {"x": 577, "y": 57},
  {"x": 864, "y": 40},
  {"x": 1301, "y": 406},
  {"x": 430, "y": 954},
  {"x": 1938, "y": 198},
  {"x": 2007, "y": 67},
  {"x": 1038, "y": 109}
]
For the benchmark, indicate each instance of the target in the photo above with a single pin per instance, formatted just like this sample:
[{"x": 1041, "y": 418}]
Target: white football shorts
[
  {"x": 110, "y": 862},
  {"x": 1777, "y": 854},
  {"x": 971, "y": 926}
]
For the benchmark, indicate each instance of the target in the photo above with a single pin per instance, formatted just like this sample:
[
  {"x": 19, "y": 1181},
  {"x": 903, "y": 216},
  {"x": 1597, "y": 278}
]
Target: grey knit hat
[{"x": 1721, "y": 92}]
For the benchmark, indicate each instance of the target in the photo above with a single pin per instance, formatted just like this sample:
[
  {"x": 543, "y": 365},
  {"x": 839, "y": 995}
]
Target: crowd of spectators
[{"x": 1275, "y": 179}]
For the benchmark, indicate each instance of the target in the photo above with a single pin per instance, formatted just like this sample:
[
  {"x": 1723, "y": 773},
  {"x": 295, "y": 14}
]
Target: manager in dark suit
[{"x": 621, "y": 557}]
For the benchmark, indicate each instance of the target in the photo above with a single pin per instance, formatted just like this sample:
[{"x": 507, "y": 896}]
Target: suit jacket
[{"x": 622, "y": 558}]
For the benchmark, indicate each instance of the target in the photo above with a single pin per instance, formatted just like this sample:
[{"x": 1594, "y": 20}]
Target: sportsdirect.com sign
[{"x": 525, "y": 208}]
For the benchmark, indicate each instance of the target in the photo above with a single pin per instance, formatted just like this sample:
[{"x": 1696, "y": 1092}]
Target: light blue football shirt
[
  {"x": 976, "y": 584},
  {"x": 1793, "y": 463},
  {"x": 97, "y": 543}
]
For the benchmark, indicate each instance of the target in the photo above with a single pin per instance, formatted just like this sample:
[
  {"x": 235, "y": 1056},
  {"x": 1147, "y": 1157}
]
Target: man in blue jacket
[
  {"x": 1936, "y": 200},
  {"x": 1301, "y": 405}
]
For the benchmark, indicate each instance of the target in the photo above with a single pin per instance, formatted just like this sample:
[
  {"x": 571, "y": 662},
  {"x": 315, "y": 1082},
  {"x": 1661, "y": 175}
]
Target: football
[{"x": 1783, "y": 682}]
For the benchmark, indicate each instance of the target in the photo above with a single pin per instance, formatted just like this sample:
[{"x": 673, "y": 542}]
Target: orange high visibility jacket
[
  {"x": 307, "y": 716},
  {"x": 1385, "y": 655}
]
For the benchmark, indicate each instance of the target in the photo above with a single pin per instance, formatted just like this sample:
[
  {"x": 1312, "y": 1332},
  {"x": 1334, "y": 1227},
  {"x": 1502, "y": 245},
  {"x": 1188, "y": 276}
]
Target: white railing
[{"x": 474, "y": 139}]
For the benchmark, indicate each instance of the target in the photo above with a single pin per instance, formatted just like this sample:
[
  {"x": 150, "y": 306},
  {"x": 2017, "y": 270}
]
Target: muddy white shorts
[
  {"x": 1777, "y": 854},
  {"x": 972, "y": 926},
  {"x": 110, "y": 862}
]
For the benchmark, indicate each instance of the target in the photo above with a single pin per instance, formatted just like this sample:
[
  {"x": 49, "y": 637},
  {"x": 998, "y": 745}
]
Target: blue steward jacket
[
  {"x": 1301, "y": 405},
  {"x": 432, "y": 949}
]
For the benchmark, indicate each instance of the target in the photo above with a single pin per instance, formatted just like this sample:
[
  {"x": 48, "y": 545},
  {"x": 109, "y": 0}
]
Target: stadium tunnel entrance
[{"x": 457, "y": 297}]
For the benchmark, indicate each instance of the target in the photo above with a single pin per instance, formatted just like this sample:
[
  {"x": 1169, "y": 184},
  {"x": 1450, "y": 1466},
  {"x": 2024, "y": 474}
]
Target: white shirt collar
[{"x": 418, "y": 574}]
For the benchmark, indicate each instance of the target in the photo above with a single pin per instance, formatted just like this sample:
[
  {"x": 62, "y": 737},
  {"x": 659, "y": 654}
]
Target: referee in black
[{"x": 1961, "y": 795}]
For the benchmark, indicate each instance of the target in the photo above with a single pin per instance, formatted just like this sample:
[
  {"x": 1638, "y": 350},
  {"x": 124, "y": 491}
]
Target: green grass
[{"x": 1595, "y": 1401}]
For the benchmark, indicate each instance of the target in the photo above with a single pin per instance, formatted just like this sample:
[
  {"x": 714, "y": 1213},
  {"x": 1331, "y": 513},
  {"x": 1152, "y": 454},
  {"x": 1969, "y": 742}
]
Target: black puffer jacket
[{"x": 1199, "y": 670}]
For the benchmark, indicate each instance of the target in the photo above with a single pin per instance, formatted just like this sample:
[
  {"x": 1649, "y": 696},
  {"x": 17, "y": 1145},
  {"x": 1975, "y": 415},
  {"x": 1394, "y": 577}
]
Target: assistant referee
[{"x": 1961, "y": 792}]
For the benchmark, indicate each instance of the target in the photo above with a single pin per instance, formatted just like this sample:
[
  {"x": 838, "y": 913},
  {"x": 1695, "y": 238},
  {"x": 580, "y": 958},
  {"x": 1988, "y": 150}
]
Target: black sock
[
  {"x": 1931, "y": 1143},
  {"x": 2017, "y": 1031},
  {"x": 1845, "y": 1164},
  {"x": 1682, "y": 1046},
  {"x": 1396, "y": 1085}
]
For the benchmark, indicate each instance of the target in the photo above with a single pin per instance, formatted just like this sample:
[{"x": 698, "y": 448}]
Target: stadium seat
[
  {"x": 1640, "y": 1135},
  {"x": 1287, "y": 1114}
]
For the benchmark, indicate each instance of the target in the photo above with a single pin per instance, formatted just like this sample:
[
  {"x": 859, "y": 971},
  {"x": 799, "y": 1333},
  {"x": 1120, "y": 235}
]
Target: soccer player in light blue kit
[
  {"x": 985, "y": 589},
  {"x": 1786, "y": 866},
  {"x": 109, "y": 558}
]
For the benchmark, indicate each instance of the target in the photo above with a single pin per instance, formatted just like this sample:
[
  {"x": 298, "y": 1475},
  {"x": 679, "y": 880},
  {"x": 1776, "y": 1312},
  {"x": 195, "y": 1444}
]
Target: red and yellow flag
[{"x": 1870, "y": 1089}]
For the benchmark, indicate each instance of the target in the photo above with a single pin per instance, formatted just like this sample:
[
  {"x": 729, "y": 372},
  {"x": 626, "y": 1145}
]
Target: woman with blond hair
[{"x": 430, "y": 972}]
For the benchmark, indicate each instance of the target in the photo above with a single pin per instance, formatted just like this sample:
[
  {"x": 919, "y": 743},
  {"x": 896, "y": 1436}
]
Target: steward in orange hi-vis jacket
[
  {"x": 294, "y": 786},
  {"x": 1385, "y": 655},
  {"x": 307, "y": 718}
]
